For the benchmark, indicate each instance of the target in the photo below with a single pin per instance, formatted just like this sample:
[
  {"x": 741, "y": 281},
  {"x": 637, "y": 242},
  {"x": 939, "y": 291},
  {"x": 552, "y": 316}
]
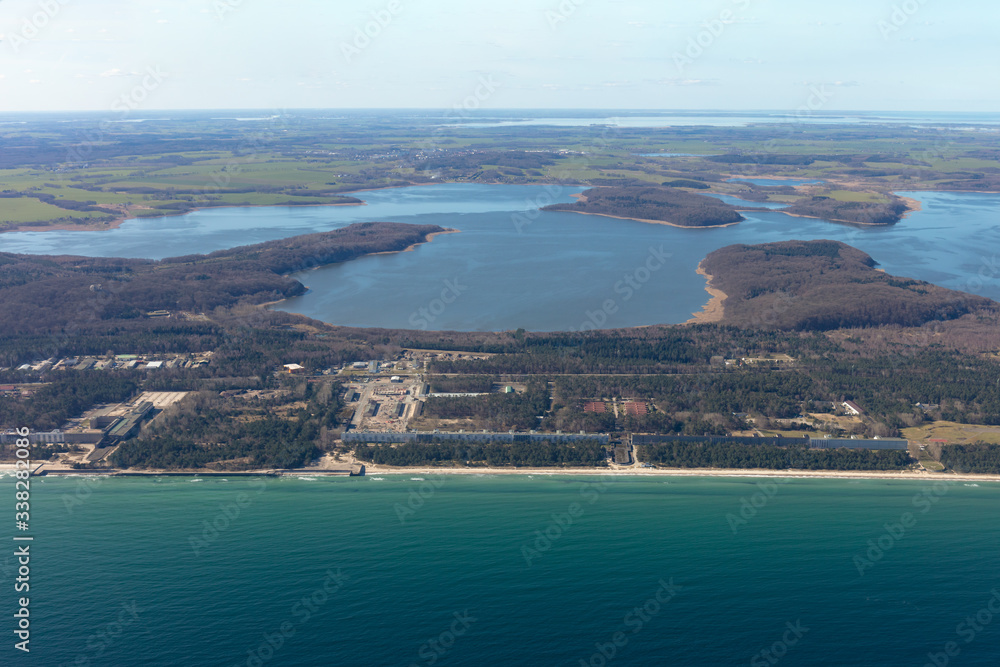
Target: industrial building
[
  {"x": 857, "y": 443},
  {"x": 481, "y": 437},
  {"x": 804, "y": 441},
  {"x": 89, "y": 437},
  {"x": 128, "y": 426}
]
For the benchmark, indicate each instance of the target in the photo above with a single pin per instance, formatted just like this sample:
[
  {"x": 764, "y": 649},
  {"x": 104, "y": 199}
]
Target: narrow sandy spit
[{"x": 715, "y": 308}]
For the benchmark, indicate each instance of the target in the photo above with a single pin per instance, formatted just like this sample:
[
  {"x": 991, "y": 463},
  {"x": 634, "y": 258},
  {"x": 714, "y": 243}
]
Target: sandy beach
[
  {"x": 715, "y": 308},
  {"x": 912, "y": 205},
  {"x": 838, "y": 220},
  {"x": 626, "y": 471},
  {"x": 427, "y": 239},
  {"x": 372, "y": 469},
  {"x": 653, "y": 222}
]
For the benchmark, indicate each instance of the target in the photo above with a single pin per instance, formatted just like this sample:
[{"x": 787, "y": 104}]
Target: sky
[{"x": 912, "y": 55}]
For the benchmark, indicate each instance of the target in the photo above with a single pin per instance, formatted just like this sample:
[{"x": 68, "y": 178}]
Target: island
[
  {"x": 656, "y": 204},
  {"x": 856, "y": 212}
]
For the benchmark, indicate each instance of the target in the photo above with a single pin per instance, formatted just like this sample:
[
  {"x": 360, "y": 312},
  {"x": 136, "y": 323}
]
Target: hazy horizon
[{"x": 737, "y": 55}]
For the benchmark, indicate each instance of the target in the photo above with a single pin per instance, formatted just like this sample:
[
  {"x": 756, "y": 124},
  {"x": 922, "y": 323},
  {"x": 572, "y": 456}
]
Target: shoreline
[
  {"x": 410, "y": 248},
  {"x": 912, "y": 206},
  {"x": 654, "y": 222},
  {"x": 714, "y": 310},
  {"x": 115, "y": 224},
  {"x": 374, "y": 469},
  {"x": 842, "y": 222}
]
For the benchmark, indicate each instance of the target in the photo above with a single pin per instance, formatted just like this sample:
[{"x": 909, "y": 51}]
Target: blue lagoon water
[
  {"x": 205, "y": 595},
  {"x": 515, "y": 266}
]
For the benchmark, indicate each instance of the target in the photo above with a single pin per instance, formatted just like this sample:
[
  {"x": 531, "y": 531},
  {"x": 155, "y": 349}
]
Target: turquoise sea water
[{"x": 124, "y": 571}]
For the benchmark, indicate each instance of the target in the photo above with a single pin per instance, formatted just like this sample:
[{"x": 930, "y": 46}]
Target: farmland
[{"x": 89, "y": 172}]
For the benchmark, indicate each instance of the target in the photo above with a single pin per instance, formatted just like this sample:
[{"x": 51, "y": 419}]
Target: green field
[
  {"x": 204, "y": 163},
  {"x": 22, "y": 210}
]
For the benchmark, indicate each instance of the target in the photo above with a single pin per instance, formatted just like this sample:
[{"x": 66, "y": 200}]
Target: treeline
[
  {"x": 824, "y": 285},
  {"x": 271, "y": 443},
  {"x": 460, "y": 384},
  {"x": 595, "y": 352},
  {"x": 654, "y": 349},
  {"x": 686, "y": 455},
  {"x": 654, "y": 203},
  {"x": 766, "y": 158},
  {"x": 980, "y": 457},
  {"x": 466, "y": 161},
  {"x": 539, "y": 455},
  {"x": 686, "y": 183},
  {"x": 776, "y": 394},
  {"x": 66, "y": 204},
  {"x": 192, "y": 202},
  {"x": 68, "y": 395}
]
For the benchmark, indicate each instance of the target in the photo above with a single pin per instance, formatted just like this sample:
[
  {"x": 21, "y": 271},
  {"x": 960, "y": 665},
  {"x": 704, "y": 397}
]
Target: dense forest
[
  {"x": 672, "y": 205},
  {"x": 867, "y": 213},
  {"x": 71, "y": 298},
  {"x": 68, "y": 395},
  {"x": 961, "y": 389},
  {"x": 542, "y": 454},
  {"x": 978, "y": 458},
  {"x": 685, "y": 455},
  {"x": 494, "y": 412},
  {"x": 766, "y": 159},
  {"x": 270, "y": 443},
  {"x": 823, "y": 285},
  {"x": 238, "y": 433}
]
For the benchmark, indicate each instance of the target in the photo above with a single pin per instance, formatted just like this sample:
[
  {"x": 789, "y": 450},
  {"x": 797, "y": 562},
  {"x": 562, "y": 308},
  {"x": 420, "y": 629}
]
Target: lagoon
[{"x": 514, "y": 266}]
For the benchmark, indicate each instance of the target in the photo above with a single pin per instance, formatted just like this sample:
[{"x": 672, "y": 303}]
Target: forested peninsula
[
  {"x": 118, "y": 293},
  {"x": 825, "y": 285}
]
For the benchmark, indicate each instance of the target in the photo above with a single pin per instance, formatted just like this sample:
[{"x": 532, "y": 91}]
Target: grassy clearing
[
  {"x": 954, "y": 433},
  {"x": 853, "y": 195},
  {"x": 928, "y": 461},
  {"x": 23, "y": 209}
]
